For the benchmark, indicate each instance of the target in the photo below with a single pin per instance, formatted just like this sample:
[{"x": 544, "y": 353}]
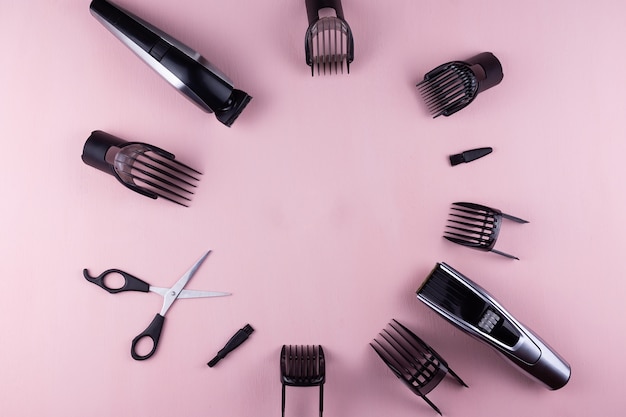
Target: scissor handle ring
[{"x": 131, "y": 283}]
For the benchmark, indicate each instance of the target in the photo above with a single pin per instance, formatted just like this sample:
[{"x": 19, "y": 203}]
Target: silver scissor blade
[
  {"x": 202, "y": 294},
  {"x": 174, "y": 292},
  {"x": 190, "y": 293}
]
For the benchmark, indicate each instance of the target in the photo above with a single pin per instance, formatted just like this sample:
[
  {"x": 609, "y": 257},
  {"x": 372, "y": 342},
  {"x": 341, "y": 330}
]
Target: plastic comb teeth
[
  {"x": 303, "y": 366},
  {"x": 143, "y": 168},
  {"x": 328, "y": 45},
  {"x": 412, "y": 360},
  {"x": 448, "y": 89},
  {"x": 477, "y": 226},
  {"x": 452, "y": 86},
  {"x": 156, "y": 174}
]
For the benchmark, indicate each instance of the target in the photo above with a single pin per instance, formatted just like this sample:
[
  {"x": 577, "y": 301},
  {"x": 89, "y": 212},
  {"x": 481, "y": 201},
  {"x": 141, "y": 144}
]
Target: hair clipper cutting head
[
  {"x": 181, "y": 66},
  {"x": 470, "y": 308}
]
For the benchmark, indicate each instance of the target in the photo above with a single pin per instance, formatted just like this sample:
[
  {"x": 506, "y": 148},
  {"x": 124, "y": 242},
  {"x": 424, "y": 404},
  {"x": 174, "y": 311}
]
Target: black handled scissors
[{"x": 131, "y": 283}]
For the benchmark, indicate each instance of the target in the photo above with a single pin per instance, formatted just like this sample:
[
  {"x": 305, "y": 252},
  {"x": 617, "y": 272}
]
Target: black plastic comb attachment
[
  {"x": 303, "y": 366},
  {"x": 328, "y": 42},
  {"x": 141, "y": 167},
  {"x": 452, "y": 86},
  {"x": 412, "y": 360},
  {"x": 477, "y": 226}
]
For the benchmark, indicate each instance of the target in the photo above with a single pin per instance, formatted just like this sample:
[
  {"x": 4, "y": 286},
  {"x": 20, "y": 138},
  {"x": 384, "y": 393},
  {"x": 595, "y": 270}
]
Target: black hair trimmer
[
  {"x": 473, "y": 310},
  {"x": 181, "y": 66}
]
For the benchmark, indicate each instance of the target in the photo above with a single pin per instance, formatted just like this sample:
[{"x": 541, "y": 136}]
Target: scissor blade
[
  {"x": 202, "y": 294},
  {"x": 190, "y": 293},
  {"x": 173, "y": 293}
]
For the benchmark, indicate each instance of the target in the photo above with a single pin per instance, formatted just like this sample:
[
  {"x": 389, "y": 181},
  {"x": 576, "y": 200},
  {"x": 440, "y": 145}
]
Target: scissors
[{"x": 131, "y": 283}]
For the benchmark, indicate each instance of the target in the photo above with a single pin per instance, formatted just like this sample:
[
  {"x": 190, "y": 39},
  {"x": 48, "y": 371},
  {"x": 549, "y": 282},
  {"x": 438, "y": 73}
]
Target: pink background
[{"x": 324, "y": 206}]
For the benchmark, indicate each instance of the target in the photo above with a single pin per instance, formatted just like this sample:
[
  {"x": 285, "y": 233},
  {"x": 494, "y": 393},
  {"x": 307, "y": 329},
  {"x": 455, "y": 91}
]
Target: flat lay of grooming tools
[
  {"x": 452, "y": 86},
  {"x": 185, "y": 69},
  {"x": 469, "y": 156},
  {"x": 170, "y": 295},
  {"x": 328, "y": 42},
  {"x": 234, "y": 342},
  {"x": 476, "y": 226},
  {"x": 329, "y": 49},
  {"x": 302, "y": 366},
  {"x": 413, "y": 361},
  {"x": 473, "y": 310},
  {"x": 143, "y": 168}
]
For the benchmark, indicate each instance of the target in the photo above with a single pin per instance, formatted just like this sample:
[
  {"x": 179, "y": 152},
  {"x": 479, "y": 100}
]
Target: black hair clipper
[
  {"x": 470, "y": 308},
  {"x": 181, "y": 66}
]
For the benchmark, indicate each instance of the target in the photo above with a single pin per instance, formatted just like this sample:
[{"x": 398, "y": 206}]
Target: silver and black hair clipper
[
  {"x": 180, "y": 65},
  {"x": 470, "y": 308}
]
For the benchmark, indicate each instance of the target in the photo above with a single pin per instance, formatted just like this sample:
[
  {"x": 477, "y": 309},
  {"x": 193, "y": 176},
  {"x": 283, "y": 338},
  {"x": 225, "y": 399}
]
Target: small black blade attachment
[{"x": 469, "y": 156}]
